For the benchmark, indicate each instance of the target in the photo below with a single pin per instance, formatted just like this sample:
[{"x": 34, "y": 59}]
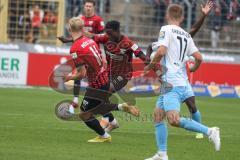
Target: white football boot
[
  {"x": 214, "y": 137},
  {"x": 158, "y": 156}
]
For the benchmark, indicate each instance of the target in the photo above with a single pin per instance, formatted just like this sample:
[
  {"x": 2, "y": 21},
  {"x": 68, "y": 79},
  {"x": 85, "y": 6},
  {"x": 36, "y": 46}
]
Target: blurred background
[
  {"x": 31, "y": 26},
  {"x": 40, "y": 21}
]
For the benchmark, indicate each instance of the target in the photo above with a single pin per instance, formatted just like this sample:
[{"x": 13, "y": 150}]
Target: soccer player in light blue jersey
[
  {"x": 190, "y": 102},
  {"x": 175, "y": 45}
]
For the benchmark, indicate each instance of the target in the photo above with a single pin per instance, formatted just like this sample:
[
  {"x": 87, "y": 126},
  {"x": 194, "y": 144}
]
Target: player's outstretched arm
[
  {"x": 162, "y": 50},
  {"x": 149, "y": 52},
  {"x": 65, "y": 39},
  {"x": 198, "y": 60},
  {"x": 205, "y": 11},
  {"x": 144, "y": 58}
]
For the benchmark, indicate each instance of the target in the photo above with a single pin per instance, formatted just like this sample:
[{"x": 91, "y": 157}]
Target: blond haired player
[{"x": 88, "y": 62}]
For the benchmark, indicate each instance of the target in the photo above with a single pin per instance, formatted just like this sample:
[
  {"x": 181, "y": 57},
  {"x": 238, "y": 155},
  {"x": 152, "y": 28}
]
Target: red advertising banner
[
  {"x": 218, "y": 73},
  {"x": 40, "y": 67}
]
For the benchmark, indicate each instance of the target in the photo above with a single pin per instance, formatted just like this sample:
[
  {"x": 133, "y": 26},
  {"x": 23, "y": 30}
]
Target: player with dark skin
[
  {"x": 119, "y": 54},
  {"x": 190, "y": 102}
]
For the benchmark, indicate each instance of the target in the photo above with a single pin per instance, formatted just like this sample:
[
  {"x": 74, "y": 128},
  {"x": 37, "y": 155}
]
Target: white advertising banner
[{"x": 13, "y": 67}]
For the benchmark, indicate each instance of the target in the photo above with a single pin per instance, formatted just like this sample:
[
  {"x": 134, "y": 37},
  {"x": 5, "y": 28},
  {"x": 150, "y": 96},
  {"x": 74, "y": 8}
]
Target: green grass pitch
[{"x": 29, "y": 130}]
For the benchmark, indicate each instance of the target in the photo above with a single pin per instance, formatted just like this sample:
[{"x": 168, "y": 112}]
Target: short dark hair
[
  {"x": 90, "y": 1},
  {"x": 113, "y": 24}
]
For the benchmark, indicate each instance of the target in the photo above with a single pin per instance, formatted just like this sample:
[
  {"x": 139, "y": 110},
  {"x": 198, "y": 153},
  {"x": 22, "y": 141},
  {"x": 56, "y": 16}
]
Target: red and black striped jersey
[
  {"x": 119, "y": 55},
  {"x": 85, "y": 51}
]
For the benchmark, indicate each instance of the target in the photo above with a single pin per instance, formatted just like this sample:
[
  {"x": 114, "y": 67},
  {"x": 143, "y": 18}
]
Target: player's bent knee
[
  {"x": 173, "y": 118},
  {"x": 159, "y": 115}
]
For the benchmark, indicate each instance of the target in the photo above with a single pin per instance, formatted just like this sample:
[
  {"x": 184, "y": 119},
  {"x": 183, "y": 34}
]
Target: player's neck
[
  {"x": 90, "y": 15},
  {"x": 172, "y": 22},
  {"x": 77, "y": 36},
  {"x": 118, "y": 39}
]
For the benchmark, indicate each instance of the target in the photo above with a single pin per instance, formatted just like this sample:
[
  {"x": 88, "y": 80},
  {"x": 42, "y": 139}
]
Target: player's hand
[
  {"x": 64, "y": 39},
  {"x": 207, "y": 7},
  {"x": 192, "y": 68}
]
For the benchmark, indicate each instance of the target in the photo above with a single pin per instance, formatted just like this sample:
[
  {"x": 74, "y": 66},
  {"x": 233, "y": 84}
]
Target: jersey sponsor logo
[
  {"x": 74, "y": 55},
  {"x": 90, "y": 22},
  {"x": 123, "y": 51},
  {"x": 134, "y": 47},
  {"x": 162, "y": 35},
  {"x": 114, "y": 56}
]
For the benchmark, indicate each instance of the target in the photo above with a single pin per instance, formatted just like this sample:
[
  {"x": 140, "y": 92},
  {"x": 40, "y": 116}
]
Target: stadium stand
[{"x": 41, "y": 21}]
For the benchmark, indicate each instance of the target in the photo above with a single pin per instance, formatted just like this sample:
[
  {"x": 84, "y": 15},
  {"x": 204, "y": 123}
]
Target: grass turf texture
[{"x": 29, "y": 130}]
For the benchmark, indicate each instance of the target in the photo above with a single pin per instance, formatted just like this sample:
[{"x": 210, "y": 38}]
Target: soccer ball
[{"x": 62, "y": 110}]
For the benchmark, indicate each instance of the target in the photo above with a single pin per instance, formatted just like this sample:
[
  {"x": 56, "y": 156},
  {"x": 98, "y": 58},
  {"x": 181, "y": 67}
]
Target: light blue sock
[
  {"x": 161, "y": 136},
  {"x": 197, "y": 116},
  {"x": 192, "y": 125}
]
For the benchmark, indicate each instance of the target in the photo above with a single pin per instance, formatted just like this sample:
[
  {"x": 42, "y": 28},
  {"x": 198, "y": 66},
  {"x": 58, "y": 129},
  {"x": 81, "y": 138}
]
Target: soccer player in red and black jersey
[
  {"x": 88, "y": 61},
  {"x": 119, "y": 54},
  {"x": 93, "y": 24},
  {"x": 119, "y": 51}
]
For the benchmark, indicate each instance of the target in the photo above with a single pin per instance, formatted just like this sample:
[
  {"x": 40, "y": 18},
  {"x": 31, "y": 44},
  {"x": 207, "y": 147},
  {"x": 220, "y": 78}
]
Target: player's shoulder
[
  {"x": 180, "y": 31},
  {"x": 74, "y": 47},
  {"x": 171, "y": 27},
  {"x": 166, "y": 27},
  {"x": 126, "y": 40},
  {"x": 80, "y": 43},
  {"x": 97, "y": 18},
  {"x": 81, "y": 16},
  {"x": 128, "y": 43}
]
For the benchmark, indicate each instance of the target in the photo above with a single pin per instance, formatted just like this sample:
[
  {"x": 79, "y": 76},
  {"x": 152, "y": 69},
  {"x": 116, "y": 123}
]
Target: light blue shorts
[{"x": 173, "y": 99}]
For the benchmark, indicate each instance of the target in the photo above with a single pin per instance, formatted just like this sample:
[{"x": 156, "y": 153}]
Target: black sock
[
  {"x": 109, "y": 116},
  {"x": 76, "y": 88},
  {"x": 95, "y": 125}
]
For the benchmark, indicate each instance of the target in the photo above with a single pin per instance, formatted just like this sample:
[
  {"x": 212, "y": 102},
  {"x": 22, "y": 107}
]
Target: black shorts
[
  {"x": 117, "y": 83},
  {"x": 95, "y": 97}
]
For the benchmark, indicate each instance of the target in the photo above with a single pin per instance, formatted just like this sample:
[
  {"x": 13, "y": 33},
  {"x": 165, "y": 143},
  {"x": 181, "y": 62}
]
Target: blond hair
[
  {"x": 76, "y": 24},
  {"x": 175, "y": 11}
]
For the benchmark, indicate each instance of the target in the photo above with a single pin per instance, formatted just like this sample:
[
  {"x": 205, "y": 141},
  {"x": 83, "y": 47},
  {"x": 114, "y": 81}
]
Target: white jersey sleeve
[
  {"x": 164, "y": 37},
  {"x": 192, "y": 48}
]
